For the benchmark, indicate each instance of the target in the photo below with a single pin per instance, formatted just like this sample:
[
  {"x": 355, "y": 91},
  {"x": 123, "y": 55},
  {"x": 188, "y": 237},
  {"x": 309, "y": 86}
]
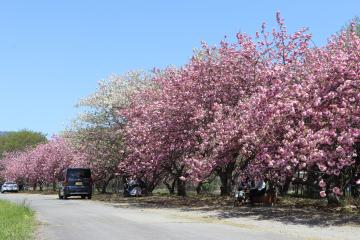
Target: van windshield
[{"x": 78, "y": 173}]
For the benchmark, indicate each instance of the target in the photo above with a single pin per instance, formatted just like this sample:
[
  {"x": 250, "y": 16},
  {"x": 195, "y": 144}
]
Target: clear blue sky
[{"x": 53, "y": 52}]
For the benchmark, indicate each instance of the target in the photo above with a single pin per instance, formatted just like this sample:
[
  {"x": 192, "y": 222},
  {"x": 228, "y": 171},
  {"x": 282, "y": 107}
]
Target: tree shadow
[
  {"x": 289, "y": 215},
  {"x": 221, "y": 208}
]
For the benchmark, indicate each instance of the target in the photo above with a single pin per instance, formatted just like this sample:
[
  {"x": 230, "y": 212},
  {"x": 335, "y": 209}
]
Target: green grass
[{"x": 17, "y": 221}]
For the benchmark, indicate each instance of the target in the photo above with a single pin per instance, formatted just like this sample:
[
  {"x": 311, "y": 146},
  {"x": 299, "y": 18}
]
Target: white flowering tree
[{"x": 98, "y": 130}]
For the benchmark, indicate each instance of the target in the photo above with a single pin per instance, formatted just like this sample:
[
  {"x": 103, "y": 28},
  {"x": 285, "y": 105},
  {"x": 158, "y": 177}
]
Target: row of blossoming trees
[
  {"x": 266, "y": 107},
  {"x": 43, "y": 164}
]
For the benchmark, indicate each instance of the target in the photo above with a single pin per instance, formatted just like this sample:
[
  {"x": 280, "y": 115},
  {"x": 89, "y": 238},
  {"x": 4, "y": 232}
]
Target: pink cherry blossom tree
[
  {"x": 267, "y": 108},
  {"x": 43, "y": 164},
  {"x": 306, "y": 117}
]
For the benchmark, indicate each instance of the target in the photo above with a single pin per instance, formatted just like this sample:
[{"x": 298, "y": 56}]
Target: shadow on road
[
  {"x": 310, "y": 217},
  {"x": 306, "y": 216},
  {"x": 222, "y": 209}
]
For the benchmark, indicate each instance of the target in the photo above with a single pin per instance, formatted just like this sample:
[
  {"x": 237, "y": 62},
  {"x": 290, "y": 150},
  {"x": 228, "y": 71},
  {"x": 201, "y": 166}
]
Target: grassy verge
[{"x": 17, "y": 221}]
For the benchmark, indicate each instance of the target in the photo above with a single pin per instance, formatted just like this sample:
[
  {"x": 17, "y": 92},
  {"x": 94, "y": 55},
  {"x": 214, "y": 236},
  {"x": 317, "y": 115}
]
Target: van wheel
[
  {"x": 65, "y": 197},
  {"x": 89, "y": 196},
  {"x": 83, "y": 197}
]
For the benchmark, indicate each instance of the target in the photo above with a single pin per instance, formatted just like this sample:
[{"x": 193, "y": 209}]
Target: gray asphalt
[{"x": 77, "y": 219}]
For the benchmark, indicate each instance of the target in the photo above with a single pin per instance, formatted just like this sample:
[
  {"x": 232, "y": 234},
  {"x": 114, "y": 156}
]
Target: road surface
[{"x": 77, "y": 219}]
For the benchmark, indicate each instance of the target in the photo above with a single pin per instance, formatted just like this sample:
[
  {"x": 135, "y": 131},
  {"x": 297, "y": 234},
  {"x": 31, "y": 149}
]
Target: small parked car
[
  {"x": 76, "y": 182},
  {"x": 9, "y": 187}
]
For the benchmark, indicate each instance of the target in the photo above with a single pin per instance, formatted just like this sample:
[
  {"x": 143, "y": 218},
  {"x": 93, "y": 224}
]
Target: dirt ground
[
  {"x": 298, "y": 217},
  {"x": 215, "y": 202}
]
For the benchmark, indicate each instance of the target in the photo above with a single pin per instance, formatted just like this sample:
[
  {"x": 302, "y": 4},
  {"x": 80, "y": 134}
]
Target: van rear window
[{"x": 78, "y": 173}]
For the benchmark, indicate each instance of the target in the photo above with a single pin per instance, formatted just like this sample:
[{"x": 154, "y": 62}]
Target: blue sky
[{"x": 53, "y": 52}]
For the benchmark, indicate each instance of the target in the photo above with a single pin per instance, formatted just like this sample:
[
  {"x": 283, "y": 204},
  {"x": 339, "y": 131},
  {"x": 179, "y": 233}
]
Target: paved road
[{"x": 77, "y": 219}]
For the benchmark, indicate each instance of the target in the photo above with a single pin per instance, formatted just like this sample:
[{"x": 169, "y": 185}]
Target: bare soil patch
[{"x": 288, "y": 210}]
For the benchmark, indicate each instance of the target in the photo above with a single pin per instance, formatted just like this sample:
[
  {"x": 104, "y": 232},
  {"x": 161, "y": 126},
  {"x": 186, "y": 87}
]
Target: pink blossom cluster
[
  {"x": 273, "y": 104},
  {"x": 43, "y": 164}
]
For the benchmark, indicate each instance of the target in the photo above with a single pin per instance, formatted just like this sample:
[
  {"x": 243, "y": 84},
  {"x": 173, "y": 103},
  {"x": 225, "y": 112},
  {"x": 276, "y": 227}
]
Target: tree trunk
[
  {"x": 284, "y": 188},
  {"x": 312, "y": 189},
  {"x": 147, "y": 187},
  {"x": 225, "y": 175},
  {"x": 106, "y": 184},
  {"x": 97, "y": 186},
  {"x": 355, "y": 193},
  {"x": 333, "y": 199},
  {"x": 54, "y": 186},
  {"x": 104, "y": 187},
  {"x": 181, "y": 188},
  {"x": 171, "y": 187},
  {"x": 199, "y": 188}
]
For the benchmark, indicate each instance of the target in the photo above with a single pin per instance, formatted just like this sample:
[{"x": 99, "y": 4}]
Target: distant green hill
[{"x": 17, "y": 141}]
